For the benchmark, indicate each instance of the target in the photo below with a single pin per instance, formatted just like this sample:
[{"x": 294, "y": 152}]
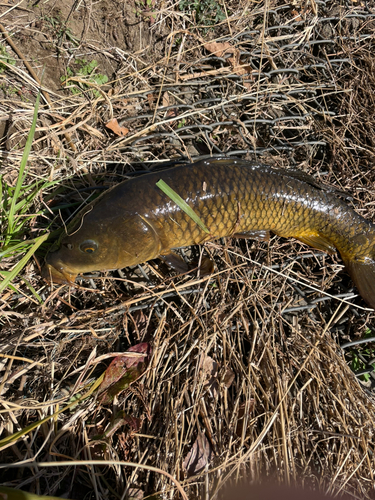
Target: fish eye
[{"x": 88, "y": 246}]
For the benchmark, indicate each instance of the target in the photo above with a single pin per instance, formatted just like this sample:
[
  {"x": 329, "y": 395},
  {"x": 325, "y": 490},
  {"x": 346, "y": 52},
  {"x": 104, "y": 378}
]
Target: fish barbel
[{"x": 135, "y": 221}]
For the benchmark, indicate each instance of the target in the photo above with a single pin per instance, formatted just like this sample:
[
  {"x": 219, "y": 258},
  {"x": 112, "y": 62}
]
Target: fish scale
[{"x": 135, "y": 221}]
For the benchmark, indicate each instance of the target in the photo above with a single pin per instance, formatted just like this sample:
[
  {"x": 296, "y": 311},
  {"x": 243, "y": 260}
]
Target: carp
[{"x": 135, "y": 221}]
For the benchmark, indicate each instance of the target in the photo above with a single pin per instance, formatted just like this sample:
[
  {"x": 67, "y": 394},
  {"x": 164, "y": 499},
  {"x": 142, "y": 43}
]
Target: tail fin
[{"x": 362, "y": 272}]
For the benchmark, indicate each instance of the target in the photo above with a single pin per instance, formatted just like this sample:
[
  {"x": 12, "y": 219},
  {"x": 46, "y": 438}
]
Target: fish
[{"x": 135, "y": 221}]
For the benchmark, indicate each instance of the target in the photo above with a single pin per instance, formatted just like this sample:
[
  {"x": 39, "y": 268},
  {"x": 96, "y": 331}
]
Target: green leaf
[
  {"x": 20, "y": 178},
  {"x": 22, "y": 263},
  {"x": 182, "y": 204}
]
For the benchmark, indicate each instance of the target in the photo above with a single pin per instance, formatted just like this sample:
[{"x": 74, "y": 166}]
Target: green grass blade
[
  {"x": 33, "y": 191},
  {"x": 22, "y": 263},
  {"x": 13, "y": 438},
  {"x": 16, "y": 494},
  {"x": 10, "y": 250},
  {"x": 23, "y": 164},
  {"x": 33, "y": 291},
  {"x": 5, "y": 273},
  {"x": 181, "y": 203}
]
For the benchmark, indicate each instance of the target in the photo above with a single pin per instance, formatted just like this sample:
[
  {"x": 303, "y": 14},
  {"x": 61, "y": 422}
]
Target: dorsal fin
[
  {"x": 302, "y": 176},
  {"x": 309, "y": 179},
  {"x": 299, "y": 175}
]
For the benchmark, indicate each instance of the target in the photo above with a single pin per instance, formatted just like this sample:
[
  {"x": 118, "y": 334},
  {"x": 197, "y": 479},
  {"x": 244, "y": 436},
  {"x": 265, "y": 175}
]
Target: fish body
[{"x": 135, "y": 221}]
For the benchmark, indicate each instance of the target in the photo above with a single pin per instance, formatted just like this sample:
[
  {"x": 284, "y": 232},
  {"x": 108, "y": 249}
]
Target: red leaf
[{"x": 124, "y": 370}]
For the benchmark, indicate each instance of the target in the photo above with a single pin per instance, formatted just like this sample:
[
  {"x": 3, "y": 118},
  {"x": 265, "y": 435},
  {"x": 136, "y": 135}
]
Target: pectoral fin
[
  {"x": 206, "y": 267},
  {"x": 316, "y": 241},
  {"x": 253, "y": 235},
  {"x": 175, "y": 262}
]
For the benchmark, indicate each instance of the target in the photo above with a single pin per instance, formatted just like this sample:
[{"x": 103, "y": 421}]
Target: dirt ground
[
  {"x": 237, "y": 374},
  {"x": 46, "y": 30}
]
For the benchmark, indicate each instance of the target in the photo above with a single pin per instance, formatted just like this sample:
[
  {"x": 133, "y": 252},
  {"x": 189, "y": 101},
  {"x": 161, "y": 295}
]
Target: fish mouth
[{"x": 60, "y": 276}]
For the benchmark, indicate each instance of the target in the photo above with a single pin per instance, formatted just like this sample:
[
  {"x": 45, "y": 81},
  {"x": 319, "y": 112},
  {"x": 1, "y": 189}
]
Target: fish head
[{"x": 102, "y": 243}]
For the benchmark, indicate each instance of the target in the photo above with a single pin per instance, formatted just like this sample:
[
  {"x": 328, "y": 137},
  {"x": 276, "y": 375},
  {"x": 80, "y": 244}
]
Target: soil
[{"x": 52, "y": 35}]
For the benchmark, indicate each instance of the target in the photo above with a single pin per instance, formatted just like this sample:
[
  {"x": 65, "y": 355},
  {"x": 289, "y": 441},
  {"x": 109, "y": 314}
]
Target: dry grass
[{"x": 248, "y": 359}]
